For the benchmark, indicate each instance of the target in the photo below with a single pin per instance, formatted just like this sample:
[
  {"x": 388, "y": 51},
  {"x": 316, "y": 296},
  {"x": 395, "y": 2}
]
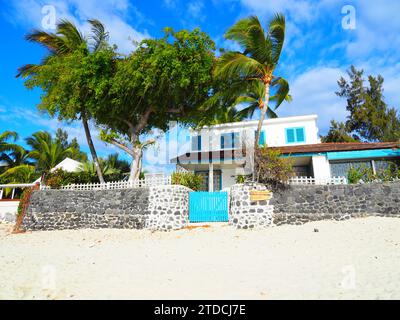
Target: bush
[
  {"x": 270, "y": 168},
  {"x": 365, "y": 174},
  {"x": 60, "y": 178},
  {"x": 187, "y": 179},
  {"x": 355, "y": 175}
]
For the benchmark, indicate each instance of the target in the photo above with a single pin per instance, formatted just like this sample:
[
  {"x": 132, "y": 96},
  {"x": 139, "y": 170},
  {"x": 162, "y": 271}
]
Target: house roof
[{"x": 336, "y": 146}]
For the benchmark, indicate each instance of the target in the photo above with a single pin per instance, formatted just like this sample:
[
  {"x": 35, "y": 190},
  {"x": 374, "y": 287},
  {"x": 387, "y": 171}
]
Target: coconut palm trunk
[
  {"x": 262, "y": 115},
  {"x": 92, "y": 149}
]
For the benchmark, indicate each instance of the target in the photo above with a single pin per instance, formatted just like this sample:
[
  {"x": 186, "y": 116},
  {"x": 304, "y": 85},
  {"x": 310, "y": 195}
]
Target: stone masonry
[
  {"x": 245, "y": 214},
  {"x": 300, "y": 204},
  {"x": 156, "y": 208}
]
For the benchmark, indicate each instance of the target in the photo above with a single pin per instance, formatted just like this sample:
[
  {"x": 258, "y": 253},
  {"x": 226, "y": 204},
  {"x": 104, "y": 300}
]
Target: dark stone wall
[
  {"x": 157, "y": 208},
  {"x": 300, "y": 204}
]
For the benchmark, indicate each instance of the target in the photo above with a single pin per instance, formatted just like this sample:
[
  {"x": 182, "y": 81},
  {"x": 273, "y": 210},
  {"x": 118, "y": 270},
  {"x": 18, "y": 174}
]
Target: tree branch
[
  {"x": 143, "y": 121},
  {"x": 121, "y": 146}
]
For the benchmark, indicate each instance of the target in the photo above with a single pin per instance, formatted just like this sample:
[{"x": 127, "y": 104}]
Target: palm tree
[
  {"x": 5, "y": 145},
  {"x": 47, "y": 152},
  {"x": 23, "y": 173},
  {"x": 258, "y": 61},
  {"x": 65, "y": 40},
  {"x": 15, "y": 158},
  {"x": 253, "y": 99}
]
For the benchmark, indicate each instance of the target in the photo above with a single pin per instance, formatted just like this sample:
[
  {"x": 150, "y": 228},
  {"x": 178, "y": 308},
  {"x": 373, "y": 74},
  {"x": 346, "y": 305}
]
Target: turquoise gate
[{"x": 208, "y": 207}]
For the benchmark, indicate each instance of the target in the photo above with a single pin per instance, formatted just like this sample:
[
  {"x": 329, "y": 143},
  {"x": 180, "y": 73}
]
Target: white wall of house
[
  {"x": 8, "y": 210},
  {"x": 321, "y": 167},
  {"x": 275, "y": 132},
  {"x": 228, "y": 177}
]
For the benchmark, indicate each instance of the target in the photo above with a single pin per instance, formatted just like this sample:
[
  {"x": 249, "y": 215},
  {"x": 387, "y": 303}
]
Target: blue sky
[{"x": 317, "y": 52}]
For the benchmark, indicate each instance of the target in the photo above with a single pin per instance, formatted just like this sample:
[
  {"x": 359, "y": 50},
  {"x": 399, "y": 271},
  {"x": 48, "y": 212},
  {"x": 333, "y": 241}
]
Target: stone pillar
[{"x": 247, "y": 214}]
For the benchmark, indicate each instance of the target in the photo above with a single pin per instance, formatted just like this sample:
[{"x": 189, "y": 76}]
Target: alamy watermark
[
  {"x": 49, "y": 17},
  {"x": 349, "y": 278},
  {"x": 349, "y": 20}
]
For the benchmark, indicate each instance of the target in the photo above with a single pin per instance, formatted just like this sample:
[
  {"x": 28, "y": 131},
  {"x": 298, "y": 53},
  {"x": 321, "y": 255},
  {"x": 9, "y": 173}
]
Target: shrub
[
  {"x": 241, "y": 178},
  {"x": 354, "y": 175},
  {"x": 270, "y": 168},
  {"x": 187, "y": 179}
]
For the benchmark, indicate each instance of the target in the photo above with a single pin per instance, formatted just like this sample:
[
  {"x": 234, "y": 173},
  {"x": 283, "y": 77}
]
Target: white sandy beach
[{"x": 345, "y": 260}]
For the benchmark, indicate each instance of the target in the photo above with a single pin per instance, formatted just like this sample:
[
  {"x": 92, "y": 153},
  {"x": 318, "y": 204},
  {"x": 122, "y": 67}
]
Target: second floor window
[
  {"x": 230, "y": 140},
  {"x": 295, "y": 135},
  {"x": 196, "y": 143}
]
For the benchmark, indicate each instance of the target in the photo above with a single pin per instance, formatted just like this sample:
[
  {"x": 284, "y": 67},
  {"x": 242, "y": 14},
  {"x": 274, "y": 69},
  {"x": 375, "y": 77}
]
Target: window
[
  {"x": 196, "y": 143},
  {"x": 230, "y": 140},
  {"x": 261, "y": 140},
  {"x": 295, "y": 135}
]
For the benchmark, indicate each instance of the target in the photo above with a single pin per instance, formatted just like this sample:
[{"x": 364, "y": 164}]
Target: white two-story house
[{"x": 217, "y": 152}]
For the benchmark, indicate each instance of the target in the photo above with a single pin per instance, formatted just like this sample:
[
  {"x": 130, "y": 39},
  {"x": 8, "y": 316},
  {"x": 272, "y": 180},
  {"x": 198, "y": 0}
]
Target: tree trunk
[
  {"x": 260, "y": 123},
  {"x": 92, "y": 149},
  {"x": 136, "y": 165}
]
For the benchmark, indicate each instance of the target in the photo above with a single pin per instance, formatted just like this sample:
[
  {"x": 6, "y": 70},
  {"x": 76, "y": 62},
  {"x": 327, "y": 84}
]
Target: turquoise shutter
[
  {"x": 290, "y": 135},
  {"x": 222, "y": 141},
  {"x": 196, "y": 143},
  {"x": 261, "y": 141},
  {"x": 300, "y": 136}
]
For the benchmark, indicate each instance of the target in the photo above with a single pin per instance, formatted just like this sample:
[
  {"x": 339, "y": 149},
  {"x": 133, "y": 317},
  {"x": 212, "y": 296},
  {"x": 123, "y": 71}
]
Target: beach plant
[
  {"x": 187, "y": 179},
  {"x": 271, "y": 168}
]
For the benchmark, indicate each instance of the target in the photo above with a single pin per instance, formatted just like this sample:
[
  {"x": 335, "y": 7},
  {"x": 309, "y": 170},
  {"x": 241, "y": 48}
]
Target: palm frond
[
  {"x": 71, "y": 35},
  {"x": 282, "y": 91},
  {"x": 277, "y": 35},
  {"x": 99, "y": 35},
  {"x": 234, "y": 64}
]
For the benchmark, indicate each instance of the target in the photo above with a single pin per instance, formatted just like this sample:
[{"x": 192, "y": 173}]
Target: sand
[{"x": 356, "y": 259}]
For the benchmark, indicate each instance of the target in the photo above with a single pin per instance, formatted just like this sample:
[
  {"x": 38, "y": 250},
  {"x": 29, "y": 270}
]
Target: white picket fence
[
  {"x": 314, "y": 181},
  {"x": 114, "y": 185}
]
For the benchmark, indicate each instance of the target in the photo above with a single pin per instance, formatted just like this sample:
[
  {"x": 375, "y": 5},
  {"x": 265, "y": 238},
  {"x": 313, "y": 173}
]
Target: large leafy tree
[
  {"x": 257, "y": 62},
  {"x": 369, "y": 118},
  {"x": 65, "y": 41},
  {"x": 164, "y": 80}
]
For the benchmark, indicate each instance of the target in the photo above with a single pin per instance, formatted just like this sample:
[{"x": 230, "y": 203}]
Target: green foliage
[
  {"x": 256, "y": 65},
  {"x": 187, "y": 179},
  {"x": 25, "y": 195},
  {"x": 369, "y": 119},
  {"x": 164, "y": 79},
  {"x": 241, "y": 179},
  {"x": 356, "y": 174},
  {"x": 365, "y": 174},
  {"x": 338, "y": 132},
  {"x": 47, "y": 151},
  {"x": 271, "y": 168}
]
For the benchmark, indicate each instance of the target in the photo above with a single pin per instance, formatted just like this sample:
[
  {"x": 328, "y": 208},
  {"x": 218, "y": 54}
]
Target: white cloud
[
  {"x": 113, "y": 13},
  {"x": 195, "y": 8},
  {"x": 313, "y": 92}
]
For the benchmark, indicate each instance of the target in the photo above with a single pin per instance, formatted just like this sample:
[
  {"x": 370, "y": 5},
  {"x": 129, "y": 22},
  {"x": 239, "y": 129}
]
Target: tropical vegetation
[
  {"x": 44, "y": 152},
  {"x": 369, "y": 117}
]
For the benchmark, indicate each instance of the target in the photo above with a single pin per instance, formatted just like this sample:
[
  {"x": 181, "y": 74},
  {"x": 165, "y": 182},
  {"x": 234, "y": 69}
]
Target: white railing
[
  {"x": 314, "y": 181},
  {"x": 13, "y": 187},
  {"x": 114, "y": 185}
]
